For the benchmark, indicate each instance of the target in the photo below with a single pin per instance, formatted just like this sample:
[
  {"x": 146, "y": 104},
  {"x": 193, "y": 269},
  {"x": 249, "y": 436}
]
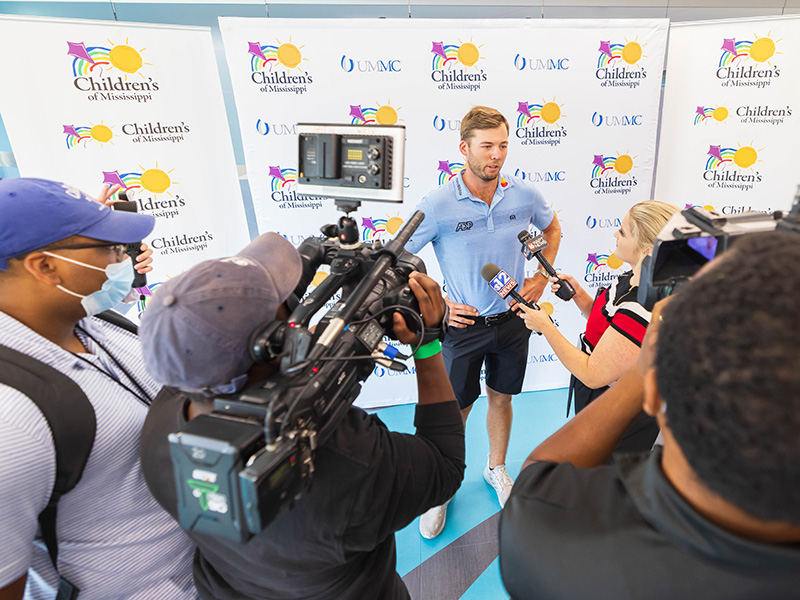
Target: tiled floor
[{"x": 454, "y": 565}]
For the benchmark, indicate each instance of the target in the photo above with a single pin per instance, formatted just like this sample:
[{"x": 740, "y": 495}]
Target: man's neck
[
  {"x": 480, "y": 188},
  {"x": 715, "y": 508},
  {"x": 48, "y": 322}
]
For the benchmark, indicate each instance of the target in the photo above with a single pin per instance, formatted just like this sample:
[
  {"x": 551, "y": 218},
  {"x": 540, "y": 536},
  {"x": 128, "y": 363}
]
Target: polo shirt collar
[
  {"x": 664, "y": 508},
  {"x": 462, "y": 192}
]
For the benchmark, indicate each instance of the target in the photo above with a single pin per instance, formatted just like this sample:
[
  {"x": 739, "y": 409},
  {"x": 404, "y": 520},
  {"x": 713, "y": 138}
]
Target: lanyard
[{"x": 141, "y": 394}]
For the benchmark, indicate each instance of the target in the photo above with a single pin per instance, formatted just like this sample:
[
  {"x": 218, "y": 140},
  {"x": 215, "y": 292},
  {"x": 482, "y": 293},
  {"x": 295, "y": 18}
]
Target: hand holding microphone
[
  {"x": 133, "y": 250},
  {"x": 532, "y": 247},
  {"x": 505, "y": 285}
]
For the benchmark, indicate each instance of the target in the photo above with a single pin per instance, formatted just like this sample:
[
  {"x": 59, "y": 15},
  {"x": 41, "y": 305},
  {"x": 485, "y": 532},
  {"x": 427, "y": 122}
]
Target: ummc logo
[
  {"x": 616, "y": 120},
  {"x": 592, "y": 222},
  {"x": 370, "y": 66},
  {"x": 541, "y": 64},
  {"x": 265, "y": 128},
  {"x": 440, "y": 124},
  {"x": 541, "y": 176},
  {"x": 542, "y": 358}
]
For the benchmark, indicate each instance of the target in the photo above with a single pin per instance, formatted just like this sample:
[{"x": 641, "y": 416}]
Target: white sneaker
[
  {"x": 500, "y": 480},
  {"x": 432, "y": 521}
]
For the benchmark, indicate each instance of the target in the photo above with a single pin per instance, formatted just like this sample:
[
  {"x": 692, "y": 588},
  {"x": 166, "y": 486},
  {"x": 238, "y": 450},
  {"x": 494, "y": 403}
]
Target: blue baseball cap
[{"x": 37, "y": 212}]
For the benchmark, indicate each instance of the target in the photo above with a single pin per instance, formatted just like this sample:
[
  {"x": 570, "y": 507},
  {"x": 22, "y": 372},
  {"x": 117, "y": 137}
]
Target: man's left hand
[
  {"x": 144, "y": 260},
  {"x": 532, "y": 289}
]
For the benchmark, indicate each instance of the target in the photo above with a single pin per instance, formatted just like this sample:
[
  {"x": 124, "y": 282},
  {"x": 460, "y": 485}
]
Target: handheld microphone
[
  {"x": 133, "y": 250},
  {"x": 532, "y": 247},
  {"x": 505, "y": 285}
]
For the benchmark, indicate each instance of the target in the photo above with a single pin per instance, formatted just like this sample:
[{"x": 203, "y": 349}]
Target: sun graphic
[
  {"x": 624, "y": 164},
  {"x": 746, "y": 156},
  {"x": 393, "y": 224},
  {"x": 720, "y": 113},
  {"x": 551, "y": 112},
  {"x": 156, "y": 180},
  {"x": 101, "y": 133},
  {"x": 319, "y": 277},
  {"x": 126, "y": 58},
  {"x": 469, "y": 53},
  {"x": 547, "y": 307},
  {"x": 386, "y": 115},
  {"x": 762, "y": 49},
  {"x": 289, "y": 55},
  {"x": 613, "y": 262}
]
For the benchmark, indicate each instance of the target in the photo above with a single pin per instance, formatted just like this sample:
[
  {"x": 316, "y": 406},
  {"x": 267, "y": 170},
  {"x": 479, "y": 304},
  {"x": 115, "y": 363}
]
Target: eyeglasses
[{"x": 118, "y": 249}]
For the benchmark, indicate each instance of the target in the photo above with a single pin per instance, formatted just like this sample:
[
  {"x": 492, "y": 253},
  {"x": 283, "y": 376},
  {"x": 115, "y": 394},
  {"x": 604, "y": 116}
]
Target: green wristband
[{"x": 430, "y": 349}]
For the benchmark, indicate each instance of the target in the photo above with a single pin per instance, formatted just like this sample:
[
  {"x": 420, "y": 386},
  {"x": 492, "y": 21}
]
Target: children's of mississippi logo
[
  {"x": 601, "y": 269},
  {"x": 538, "y": 124},
  {"x": 741, "y": 62},
  {"x": 725, "y": 167},
  {"x": 456, "y": 66},
  {"x": 380, "y": 229},
  {"x": 182, "y": 242},
  {"x": 760, "y": 114},
  {"x": 94, "y": 71},
  {"x": 78, "y": 135},
  {"x": 613, "y": 174},
  {"x": 145, "y": 186},
  {"x": 283, "y": 183},
  {"x": 618, "y": 64},
  {"x": 383, "y": 114},
  {"x": 448, "y": 170},
  {"x": 276, "y": 67}
]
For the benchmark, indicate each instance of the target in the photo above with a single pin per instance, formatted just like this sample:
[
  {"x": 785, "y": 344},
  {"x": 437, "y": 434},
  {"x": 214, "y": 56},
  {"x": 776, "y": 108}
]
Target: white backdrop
[
  {"x": 96, "y": 102},
  {"x": 730, "y": 123},
  {"x": 581, "y": 98}
]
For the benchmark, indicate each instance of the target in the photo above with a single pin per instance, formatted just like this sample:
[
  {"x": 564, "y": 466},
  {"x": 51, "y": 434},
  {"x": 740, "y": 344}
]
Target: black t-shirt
[
  {"x": 623, "y": 532},
  {"x": 338, "y": 541}
]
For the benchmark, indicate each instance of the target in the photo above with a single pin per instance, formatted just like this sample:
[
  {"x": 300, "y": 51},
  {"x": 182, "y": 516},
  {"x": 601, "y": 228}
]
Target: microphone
[
  {"x": 133, "y": 250},
  {"x": 532, "y": 247},
  {"x": 505, "y": 285}
]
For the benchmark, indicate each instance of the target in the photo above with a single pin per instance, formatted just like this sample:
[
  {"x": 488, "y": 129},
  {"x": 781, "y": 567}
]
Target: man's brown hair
[{"x": 481, "y": 117}]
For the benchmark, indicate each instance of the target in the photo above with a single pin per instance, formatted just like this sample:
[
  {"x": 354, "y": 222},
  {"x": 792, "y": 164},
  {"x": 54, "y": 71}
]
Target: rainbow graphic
[
  {"x": 85, "y": 60},
  {"x": 602, "y": 164},
  {"x": 76, "y": 135},
  {"x": 282, "y": 179},
  {"x": 361, "y": 116},
  {"x": 702, "y": 113},
  {"x": 262, "y": 56},
  {"x": 128, "y": 181},
  {"x": 719, "y": 157},
  {"x": 528, "y": 113},
  {"x": 609, "y": 53},
  {"x": 595, "y": 261},
  {"x": 732, "y": 50},
  {"x": 444, "y": 55},
  {"x": 141, "y": 305},
  {"x": 448, "y": 170},
  {"x": 380, "y": 229}
]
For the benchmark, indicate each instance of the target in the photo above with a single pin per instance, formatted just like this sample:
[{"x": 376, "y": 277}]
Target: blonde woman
[{"x": 615, "y": 321}]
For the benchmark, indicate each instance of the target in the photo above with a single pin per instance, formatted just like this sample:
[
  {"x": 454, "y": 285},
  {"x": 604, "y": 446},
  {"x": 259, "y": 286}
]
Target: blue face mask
[{"x": 115, "y": 288}]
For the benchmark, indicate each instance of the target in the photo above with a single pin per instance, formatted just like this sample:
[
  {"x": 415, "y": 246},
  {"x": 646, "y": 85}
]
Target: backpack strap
[
  {"x": 73, "y": 423},
  {"x": 110, "y": 316}
]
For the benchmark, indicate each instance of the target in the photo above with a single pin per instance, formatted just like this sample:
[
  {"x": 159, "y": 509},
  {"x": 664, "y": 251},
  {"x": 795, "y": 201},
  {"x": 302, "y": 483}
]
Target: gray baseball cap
[{"x": 195, "y": 329}]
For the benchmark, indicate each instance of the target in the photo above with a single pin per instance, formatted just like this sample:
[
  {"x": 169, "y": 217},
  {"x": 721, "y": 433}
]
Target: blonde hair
[
  {"x": 481, "y": 117},
  {"x": 648, "y": 219}
]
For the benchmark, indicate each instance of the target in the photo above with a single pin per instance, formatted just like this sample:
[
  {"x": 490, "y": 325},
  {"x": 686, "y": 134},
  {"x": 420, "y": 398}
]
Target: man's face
[
  {"x": 79, "y": 279},
  {"x": 485, "y": 152}
]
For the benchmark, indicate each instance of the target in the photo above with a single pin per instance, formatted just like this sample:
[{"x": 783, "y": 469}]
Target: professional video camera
[
  {"x": 695, "y": 236},
  {"x": 238, "y": 466}
]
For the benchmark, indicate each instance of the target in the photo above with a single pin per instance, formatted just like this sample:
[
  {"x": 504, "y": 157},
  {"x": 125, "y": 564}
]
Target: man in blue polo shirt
[{"x": 474, "y": 219}]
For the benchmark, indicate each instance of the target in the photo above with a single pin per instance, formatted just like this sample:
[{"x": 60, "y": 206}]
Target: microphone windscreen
[
  {"x": 489, "y": 270},
  {"x": 522, "y": 235}
]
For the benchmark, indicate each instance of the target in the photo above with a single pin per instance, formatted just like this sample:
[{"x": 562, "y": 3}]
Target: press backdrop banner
[
  {"x": 581, "y": 98},
  {"x": 730, "y": 124},
  {"x": 90, "y": 102}
]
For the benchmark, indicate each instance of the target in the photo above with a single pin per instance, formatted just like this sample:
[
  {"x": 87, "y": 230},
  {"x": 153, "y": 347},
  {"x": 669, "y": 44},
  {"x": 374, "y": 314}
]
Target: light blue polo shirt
[{"x": 467, "y": 233}]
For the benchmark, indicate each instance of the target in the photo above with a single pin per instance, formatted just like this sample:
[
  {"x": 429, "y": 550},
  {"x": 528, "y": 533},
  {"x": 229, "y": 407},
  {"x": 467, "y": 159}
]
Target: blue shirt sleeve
[
  {"x": 427, "y": 230},
  {"x": 542, "y": 211}
]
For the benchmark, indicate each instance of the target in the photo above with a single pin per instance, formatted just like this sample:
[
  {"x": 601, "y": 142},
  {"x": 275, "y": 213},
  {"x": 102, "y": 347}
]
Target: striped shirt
[
  {"x": 114, "y": 540},
  {"x": 616, "y": 307}
]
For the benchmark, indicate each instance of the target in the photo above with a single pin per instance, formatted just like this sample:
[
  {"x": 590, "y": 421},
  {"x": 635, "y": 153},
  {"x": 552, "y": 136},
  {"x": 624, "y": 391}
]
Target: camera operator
[
  {"x": 714, "y": 514},
  {"x": 62, "y": 260},
  {"x": 337, "y": 541}
]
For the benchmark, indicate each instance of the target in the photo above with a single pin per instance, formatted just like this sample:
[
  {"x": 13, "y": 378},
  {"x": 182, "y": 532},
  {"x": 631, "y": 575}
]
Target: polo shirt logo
[
  {"x": 464, "y": 226},
  {"x": 512, "y": 217}
]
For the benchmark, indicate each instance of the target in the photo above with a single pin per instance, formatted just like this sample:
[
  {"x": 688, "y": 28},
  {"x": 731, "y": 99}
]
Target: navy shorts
[{"x": 504, "y": 349}]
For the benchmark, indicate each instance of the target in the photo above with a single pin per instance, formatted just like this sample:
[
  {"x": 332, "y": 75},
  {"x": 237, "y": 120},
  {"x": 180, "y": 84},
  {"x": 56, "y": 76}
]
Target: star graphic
[
  {"x": 254, "y": 48},
  {"x": 605, "y": 48},
  {"x": 729, "y": 45},
  {"x": 444, "y": 166},
  {"x": 367, "y": 222},
  {"x": 701, "y": 110},
  {"x": 276, "y": 173},
  {"x": 438, "y": 48},
  {"x": 112, "y": 178},
  {"x": 598, "y": 161},
  {"x": 523, "y": 108},
  {"x": 687, "y": 207},
  {"x": 355, "y": 111},
  {"x": 70, "y": 130},
  {"x": 715, "y": 151},
  {"x": 592, "y": 258},
  {"x": 78, "y": 50}
]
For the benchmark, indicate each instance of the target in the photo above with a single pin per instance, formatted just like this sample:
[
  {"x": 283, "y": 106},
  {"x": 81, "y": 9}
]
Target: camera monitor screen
[{"x": 352, "y": 162}]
